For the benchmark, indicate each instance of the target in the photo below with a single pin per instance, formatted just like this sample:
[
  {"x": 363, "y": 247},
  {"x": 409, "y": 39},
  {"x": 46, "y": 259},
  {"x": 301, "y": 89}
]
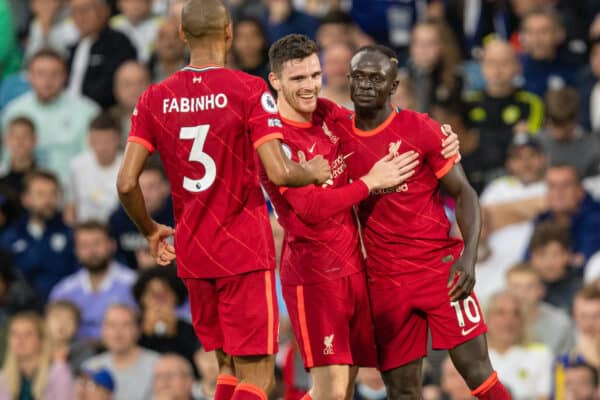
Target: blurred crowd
[{"x": 86, "y": 314}]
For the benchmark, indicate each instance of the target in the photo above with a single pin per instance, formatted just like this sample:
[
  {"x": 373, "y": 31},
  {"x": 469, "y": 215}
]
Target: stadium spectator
[
  {"x": 434, "y": 64},
  {"x": 369, "y": 385},
  {"x": 50, "y": 27},
  {"x": 283, "y": 19},
  {"x": 28, "y": 371},
  {"x": 20, "y": 141},
  {"x": 565, "y": 141},
  {"x": 40, "y": 242},
  {"x": 91, "y": 191},
  {"x": 138, "y": 24},
  {"x": 62, "y": 323},
  {"x": 502, "y": 109},
  {"x": 158, "y": 292},
  {"x": 589, "y": 90},
  {"x": 546, "y": 323},
  {"x": 131, "y": 366},
  {"x": 521, "y": 194},
  {"x": 61, "y": 119},
  {"x": 524, "y": 367},
  {"x": 169, "y": 52},
  {"x": 173, "y": 378},
  {"x": 335, "y": 27},
  {"x": 452, "y": 384},
  {"x": 336, "y": 67},
  {"x": 581, "y": 382},
  {"x": 544, "y": 66},
  {"x": 97, "y": 385},
  {"x": 250, "y": 47},
  {"x": 15, "y": 293},
  {"x": 100, "y": 282},
  {"x": 99, "y": 52},
  {"x": 572, "y": 207},
  {"x": 10, "y": 56},
  {"x": 586, "y": 314},
  {"x": 131, "y": 79},
  {"x": 550, "y": 257},
  {"x": 157, "y": 196}
]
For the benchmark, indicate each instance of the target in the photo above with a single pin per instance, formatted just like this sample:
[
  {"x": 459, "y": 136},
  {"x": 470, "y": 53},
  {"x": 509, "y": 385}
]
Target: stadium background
[{"x": 517, "y": 79}]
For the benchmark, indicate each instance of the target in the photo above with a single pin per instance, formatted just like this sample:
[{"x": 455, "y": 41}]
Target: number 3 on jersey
[{"x": 198, "y": 134}]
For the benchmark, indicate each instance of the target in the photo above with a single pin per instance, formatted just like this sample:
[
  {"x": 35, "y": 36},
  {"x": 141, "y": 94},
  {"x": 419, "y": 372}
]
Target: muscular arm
[
  {"x": 129, "y": 190},
  {"x": 468, "y": 217},
  {"x": 284, "y": 172},
  {"x": 314, "y": 204}
]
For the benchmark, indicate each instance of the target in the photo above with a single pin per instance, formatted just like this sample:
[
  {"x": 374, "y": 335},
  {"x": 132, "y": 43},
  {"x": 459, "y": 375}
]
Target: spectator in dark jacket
[
  {"x": 40, "y": 242},
  {"x": 95, "y": 58}
]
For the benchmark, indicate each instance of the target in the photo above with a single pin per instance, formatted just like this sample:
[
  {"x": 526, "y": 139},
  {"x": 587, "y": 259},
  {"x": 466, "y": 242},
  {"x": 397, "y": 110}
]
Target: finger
[
  {"x": 409, "y": 167},
  {"x": 458, "y": 287},
  {"x": 387, "y": 157},
  {"x": 168, "y": 247},
  {"x": 407, "y": 155},
  {"x": 301, "y": 156},
  {"x": 404, "y": 177},
  {"x": 451, "y": 276},
  {"x": 445, "y": 129}
]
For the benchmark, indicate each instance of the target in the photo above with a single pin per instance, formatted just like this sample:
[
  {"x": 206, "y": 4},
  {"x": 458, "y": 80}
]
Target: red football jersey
[
  {"x": 316, "y": 248},
  {"x": 205, "y": 123},
  {"x": 405, "y": 229}
]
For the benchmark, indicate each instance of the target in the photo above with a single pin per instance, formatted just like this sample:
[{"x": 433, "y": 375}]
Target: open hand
[{"x": 391, "y": 170}]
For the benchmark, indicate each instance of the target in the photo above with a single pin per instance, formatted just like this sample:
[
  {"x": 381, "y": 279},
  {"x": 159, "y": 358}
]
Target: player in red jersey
[
  {"x": 322, "y": 270},
  {"x": 205, "y": 122},
  {"x": 411, "y": 259}
]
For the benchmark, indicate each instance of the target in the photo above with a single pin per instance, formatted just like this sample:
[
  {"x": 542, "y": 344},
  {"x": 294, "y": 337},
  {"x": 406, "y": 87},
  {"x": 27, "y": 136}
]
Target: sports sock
[
  {"x": 492, "y": 389},
  {"x": 225, "y": 386},
  {"x": 247, "y": 391}
]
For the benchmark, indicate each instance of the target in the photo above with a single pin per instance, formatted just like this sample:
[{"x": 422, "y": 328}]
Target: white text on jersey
[{"x": 194, "y": 104}]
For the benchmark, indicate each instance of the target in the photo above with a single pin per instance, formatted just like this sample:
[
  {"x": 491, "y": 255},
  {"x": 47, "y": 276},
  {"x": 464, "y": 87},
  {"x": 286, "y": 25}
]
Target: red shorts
[
  {"x": 405, "y": 306},
  {"x": 237, "y": 313},
  {"x": 332, "y": 322}
]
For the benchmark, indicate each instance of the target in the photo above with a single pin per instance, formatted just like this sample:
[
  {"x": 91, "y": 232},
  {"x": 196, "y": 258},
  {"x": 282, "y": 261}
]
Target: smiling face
[
  {"x": 298, "y": 84},
  {"x": 372, "y": 80}
]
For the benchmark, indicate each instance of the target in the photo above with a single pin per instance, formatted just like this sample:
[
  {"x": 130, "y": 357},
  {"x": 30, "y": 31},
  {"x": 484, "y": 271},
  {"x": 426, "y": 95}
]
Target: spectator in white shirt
[
  {"x": 92, "y": 192},
  {"x": 50, "y": 27},
  {"x": 525, "y": 368},
  {"x": 137, "y": 22}
]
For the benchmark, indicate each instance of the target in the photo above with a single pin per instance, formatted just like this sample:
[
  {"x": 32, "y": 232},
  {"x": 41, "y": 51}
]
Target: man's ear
[
  {"x": 274, "y": 81},
  {"x": 181, "y": 34},
  {"x": 394, "y": 86}
]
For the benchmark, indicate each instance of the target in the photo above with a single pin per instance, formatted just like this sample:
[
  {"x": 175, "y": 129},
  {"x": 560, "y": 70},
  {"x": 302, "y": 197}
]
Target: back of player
[
  {"x": 196, "y": 120},
  {"x": 205, "y": 123}
]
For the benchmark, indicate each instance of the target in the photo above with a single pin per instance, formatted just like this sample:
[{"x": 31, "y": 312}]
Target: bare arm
[
  {"x": 468, "y": 217},
  {"x": 132, "y": 200},
  {"x": 284, "y": 172}
]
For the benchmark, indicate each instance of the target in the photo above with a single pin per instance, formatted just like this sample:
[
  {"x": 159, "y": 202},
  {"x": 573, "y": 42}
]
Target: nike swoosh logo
[
  {"x": 312, "y": 148},
  {"x": 348, "y": 155},
  {"x": 466, "y": 332}
]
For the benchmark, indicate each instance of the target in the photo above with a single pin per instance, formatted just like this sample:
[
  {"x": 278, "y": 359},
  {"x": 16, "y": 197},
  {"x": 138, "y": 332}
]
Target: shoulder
[
  {"x": 537, "y": 350},
  {"x": 124, "y": 274},
  {"x": 67, "y": 285},
  {"x": 20, "y": 102}
]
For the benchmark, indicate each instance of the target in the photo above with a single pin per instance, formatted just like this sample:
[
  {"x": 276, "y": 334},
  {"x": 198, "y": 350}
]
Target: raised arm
[
  {"x": 132, "y": 200},
  {"x": 284, "y": 172},
  {"x": 468, "y": 217}
]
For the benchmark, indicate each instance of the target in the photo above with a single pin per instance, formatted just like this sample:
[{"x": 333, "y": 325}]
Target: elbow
[{"x": 126, "y": 185}]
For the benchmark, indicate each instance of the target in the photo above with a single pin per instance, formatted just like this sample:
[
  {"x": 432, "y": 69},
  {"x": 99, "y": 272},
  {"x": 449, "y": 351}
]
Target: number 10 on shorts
[{"x": 467, "y": 307}]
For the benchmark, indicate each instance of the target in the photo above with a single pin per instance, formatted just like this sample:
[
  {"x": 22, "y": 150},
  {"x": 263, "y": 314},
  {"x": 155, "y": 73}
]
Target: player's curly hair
[{"x": 290, "y": 47}]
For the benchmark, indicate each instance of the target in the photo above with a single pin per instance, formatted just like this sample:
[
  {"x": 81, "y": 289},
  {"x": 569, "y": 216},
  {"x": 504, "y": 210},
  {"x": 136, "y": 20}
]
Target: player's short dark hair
[
  {"x": 548, "y": 232},
  {"x": 105, "y": 122},
  {"x": 290, "y": 47},
  {"x": 65, "y": 305},
  {"x": 167, "y": 275},
  {"x": 48, "y": 52},
  {"x": 562, "y": 105},
  {"x": 336, "y": 17},
  {"x": 92, "y": 225},
  {"x": 22, "y": 120},
  {"x": 381, "y": 49},
  {"x": 39, "y": 174}
]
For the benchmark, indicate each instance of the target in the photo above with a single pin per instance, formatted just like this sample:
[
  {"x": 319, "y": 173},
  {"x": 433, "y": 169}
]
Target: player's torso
[
  {"x": 212, "y": 167},
  {"x": 403, "y": 224},
  {"x": 327, "y": 249}
]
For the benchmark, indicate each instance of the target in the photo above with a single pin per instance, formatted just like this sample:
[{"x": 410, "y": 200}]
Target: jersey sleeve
[
  {"x": 431, "y": 138},
  {"x": 331, "y": 111},
  {"x": 263, "y": 119},
  {"x": 142, "y": 127}
]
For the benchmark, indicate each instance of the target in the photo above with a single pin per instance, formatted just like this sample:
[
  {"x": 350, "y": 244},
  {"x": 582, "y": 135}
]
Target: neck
[
  {"x": 21, "y": 164},
  {"x": 126, "y": 358},
  {"x": 96, "y": 278},
  {"x": 289, "y": 112},
  {"x": 29, "y": 365},
  {"x": 39, "y": 222},
  {"x": 499, "y": 90},
  {"x": 532, "y": 311},
  {"x": 208, "y": 53},
  {"x": 370, "y": 118}
]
